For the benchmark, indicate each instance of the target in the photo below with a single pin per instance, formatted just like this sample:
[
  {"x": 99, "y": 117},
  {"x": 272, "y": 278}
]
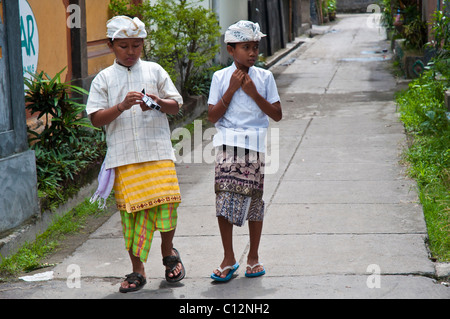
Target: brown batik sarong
[{"x": 239, "y": 184}]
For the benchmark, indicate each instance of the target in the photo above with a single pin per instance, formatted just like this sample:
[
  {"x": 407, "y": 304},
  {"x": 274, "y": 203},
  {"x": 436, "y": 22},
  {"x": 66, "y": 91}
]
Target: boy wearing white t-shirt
[{"x": 242, "y": 98}]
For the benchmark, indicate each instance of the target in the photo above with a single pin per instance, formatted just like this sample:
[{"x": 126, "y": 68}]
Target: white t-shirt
[{"x": 244, "y": 124}]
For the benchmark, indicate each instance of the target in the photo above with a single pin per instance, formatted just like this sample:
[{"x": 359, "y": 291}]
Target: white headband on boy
[
  {"x": 243, "y": 31},
  {"x": 123, "y": 27}
]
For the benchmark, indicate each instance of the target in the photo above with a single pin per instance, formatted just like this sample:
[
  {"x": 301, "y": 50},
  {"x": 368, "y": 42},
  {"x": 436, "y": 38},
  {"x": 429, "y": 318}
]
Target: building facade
[{"x": 18, "y": 184}]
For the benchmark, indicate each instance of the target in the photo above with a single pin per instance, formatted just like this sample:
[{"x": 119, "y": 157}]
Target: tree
[{"x": 182, "y": 36}]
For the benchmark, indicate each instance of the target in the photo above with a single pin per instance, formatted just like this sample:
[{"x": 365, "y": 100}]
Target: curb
[{"x": 442, "y": 270}]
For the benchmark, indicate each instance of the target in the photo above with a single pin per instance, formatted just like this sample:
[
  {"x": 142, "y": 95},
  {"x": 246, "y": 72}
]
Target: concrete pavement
[{"x": 342, "y": 219}]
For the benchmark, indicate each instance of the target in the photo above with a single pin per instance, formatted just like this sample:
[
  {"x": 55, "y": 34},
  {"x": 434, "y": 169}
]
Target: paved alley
[{"x": 342, "y": 218}]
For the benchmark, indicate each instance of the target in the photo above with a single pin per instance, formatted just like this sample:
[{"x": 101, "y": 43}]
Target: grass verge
[
  {"x": 32, "y": 254},
  {"x": 423, "y": 112}
]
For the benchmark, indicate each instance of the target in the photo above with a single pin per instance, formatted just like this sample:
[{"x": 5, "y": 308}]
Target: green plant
[
  {"x": 324, "y": 4},
  {"x": 411, "y": 11},
  {"x": 332, "y": 6},
  {"x": 422, "y": 107},
  {"x": 51, "y": 98},
  {"x": 68, "y": 145},
  {"x": 440, "y": 66},
  {"x": 429, "y": 165},
  {"x": 440, "y": 28},
  {"x": 387, "y": 14},
  {"x": 416, "y": 33},
  {"x": 182, "y": 36},
  {"x": 423, "y": 113},
  {"x": 200, "y": 83},
  {"x": 62, "y": 170}
]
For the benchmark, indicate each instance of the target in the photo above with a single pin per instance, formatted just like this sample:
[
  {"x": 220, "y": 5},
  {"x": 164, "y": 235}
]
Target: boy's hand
[
  {"x": 144, "y": 107},
  {"x": 131, "y": 99},
  {"x": 249, "y": 87},
  {"x": 236, "y": 80}
]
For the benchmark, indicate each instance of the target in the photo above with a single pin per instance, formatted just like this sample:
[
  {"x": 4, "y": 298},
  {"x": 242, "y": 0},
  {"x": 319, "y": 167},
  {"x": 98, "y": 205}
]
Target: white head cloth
[
  {"x": 123, "y": 27},
  {"x": 243, "y": 31}
]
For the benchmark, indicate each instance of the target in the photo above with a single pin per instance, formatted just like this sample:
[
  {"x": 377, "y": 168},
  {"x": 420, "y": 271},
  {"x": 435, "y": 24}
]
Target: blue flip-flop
[
  {"x": 256, "y": 274},
  {"x": 229, "y": 275}
]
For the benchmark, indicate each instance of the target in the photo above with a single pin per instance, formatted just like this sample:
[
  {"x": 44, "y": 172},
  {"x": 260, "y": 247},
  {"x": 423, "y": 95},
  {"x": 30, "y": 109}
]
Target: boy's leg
[
  {"x": 255, "y": 229},
  {"x": 226, "y": 232},
  {"x": 166, "y": 222},
  {"x": 255, "y": 225},
  {"x": 138, "y": 266},
  {"x": 167, "y": 250},
  {"x": 131, "y": 223}
]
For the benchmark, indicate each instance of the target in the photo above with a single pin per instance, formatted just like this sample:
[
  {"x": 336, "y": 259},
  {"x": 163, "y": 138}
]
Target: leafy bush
[
  {"x": 182, "y": 36},
  {"x": 50, "y": 98},
  {"x": 332, "y": 6},
  {"x": 440, "y": 28},
  {"x": 68, "y": 145},
  {"x": 416, "y": 33},
  {"x": 387, "y": 14},
  {"x": 422, "y": 107}
]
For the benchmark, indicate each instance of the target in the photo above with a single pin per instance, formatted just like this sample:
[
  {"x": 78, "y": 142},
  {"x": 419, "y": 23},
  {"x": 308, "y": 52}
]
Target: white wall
[{"x": 229, "y": 11}]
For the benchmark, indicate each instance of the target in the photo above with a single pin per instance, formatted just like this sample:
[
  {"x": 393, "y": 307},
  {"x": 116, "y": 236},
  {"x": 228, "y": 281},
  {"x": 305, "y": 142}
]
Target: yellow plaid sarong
[{"x": 145, "y": 185}]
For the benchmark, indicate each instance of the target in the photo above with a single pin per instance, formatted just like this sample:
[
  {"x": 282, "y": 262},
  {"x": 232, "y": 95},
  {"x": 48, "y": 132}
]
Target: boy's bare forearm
[
  {"x": 105, "y": 117},
  {"x": 215, "y": 112},
  {"x": 272, "y": 110},
  {"x": 169, "y": 106}
]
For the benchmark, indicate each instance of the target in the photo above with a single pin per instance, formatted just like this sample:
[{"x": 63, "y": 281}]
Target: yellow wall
[
  {"x": 97, "y": 14},
  {"x": 51, "y": 22},
  {"x": 54, "y": 35},
  {"x": 54, "y": 38}
]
